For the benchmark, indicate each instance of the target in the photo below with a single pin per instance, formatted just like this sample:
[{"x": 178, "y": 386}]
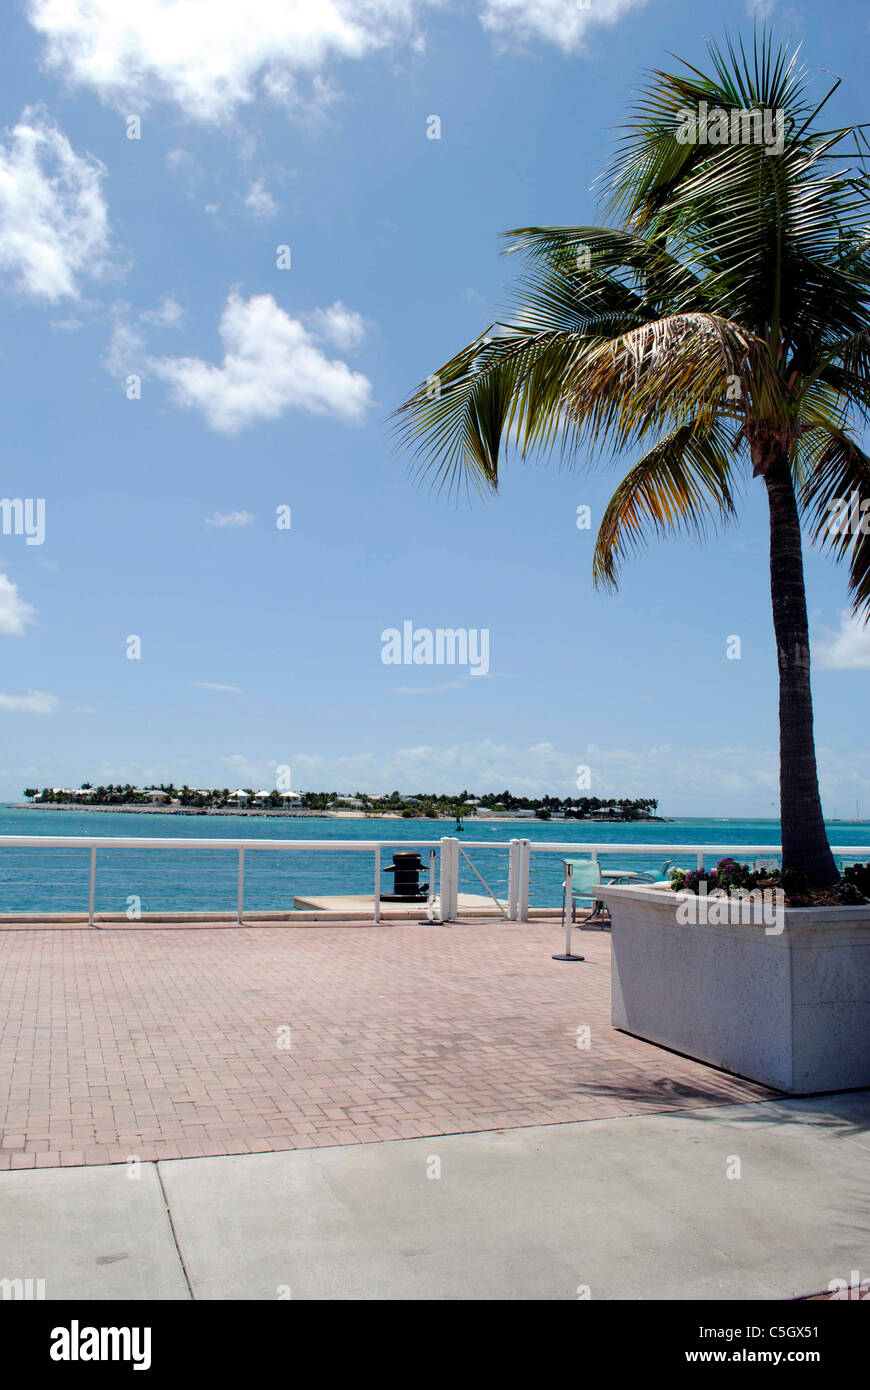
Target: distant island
[{"x": 431, "y": 805}]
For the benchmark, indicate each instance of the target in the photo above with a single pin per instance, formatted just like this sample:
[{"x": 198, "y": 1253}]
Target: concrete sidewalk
[{"x": 634, "y": 1208}]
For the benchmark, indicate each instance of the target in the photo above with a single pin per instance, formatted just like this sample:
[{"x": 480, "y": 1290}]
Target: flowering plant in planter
[
  {"x": 732, "y": 878},
  {"x": 727, "y": 877}
]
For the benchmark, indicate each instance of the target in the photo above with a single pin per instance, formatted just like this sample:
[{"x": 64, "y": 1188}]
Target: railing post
[
  {"x": 92, "y": 885},
  {"x": 241, "y": 893},
  {"x": 700, "y": 861},
  {"x": 449, "y": 881},
  {"x": 513, "y": 880},
  {"x": 525, "y": 861},
  {"x": 377, "y": 883},
  {"x": 430, "y": 897}
]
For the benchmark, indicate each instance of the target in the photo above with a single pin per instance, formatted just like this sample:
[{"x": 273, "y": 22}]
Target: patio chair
[
  {"x": 585, "y": 875},
  {"x": 652, "y": 876}
]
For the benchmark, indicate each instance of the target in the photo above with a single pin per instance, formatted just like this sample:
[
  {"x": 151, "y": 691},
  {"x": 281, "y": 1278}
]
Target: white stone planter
[{"x": 789, "y": 1008}]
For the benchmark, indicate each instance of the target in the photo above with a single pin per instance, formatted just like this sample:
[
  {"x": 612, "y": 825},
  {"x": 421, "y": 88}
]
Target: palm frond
[
  {"x": 454, "y": 424},
  {"x": 682, "y": 484},
  {"x": 837, "y": 482},
  {"x": 730, "y": 307},
  {"x": 661, "y": 373}
]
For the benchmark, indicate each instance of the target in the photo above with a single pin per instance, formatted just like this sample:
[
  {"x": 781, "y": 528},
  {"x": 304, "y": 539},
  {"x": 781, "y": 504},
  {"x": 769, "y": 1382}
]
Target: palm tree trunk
[{"x": 804, "y": 838}]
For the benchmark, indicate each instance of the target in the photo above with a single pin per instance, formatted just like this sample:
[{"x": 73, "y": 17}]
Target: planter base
[{"x": 788, "y": 1006}]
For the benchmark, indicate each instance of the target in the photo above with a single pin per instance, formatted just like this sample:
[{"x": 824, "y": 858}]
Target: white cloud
[
  {"x": 179, "y": 161},
  {"x": 311, "y": 106},
  {"x": 561, "y": 22},
  {"x": 532, "y": 770},
  {"x": 342, "y": 327},
  {"x": 212, "y": 685},
  {"x": 689, "y": 781},
  {"x": 229, "y": 519},
  {"x": 209, "y": 60},
  {"x": 250, "y": 773},
  {"x": 183, "y": 166},
  {"x": 259, "y": 202},
  {"x": 168, "y": 313},
  {"x": 125, "y": 352},
  {"x": 15, "y": 614},
  {"x": 34, "y": 702},
  {"x": 847, "y": 649},
  {"x": 53, "y": 219},
  {"x": 272, "y": 363},
  {"x": 126, "y": 346}
]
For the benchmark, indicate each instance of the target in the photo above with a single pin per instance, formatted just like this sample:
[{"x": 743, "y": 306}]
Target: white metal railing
[
  {"x": 447, "y": 850},
  {"x": 117, "y": 842}
]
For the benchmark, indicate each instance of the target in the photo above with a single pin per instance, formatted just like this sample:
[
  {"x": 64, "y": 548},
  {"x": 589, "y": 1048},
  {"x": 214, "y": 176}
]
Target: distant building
[{"x": 155, "y": 795}]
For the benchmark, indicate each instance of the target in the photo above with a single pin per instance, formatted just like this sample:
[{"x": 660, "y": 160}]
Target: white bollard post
[
  {"x": 525, "y": 861},
  {"x": 567, "y": 913},
  {"x": 449, "y": 879}
]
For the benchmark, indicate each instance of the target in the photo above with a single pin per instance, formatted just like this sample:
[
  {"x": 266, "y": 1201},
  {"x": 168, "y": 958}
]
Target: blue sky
[{"x": 305, "y": 125}]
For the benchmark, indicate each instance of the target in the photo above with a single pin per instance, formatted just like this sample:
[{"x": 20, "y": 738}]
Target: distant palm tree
[{"x": 725, "y": 321}]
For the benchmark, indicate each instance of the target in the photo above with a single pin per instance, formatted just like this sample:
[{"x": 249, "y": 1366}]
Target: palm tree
[{"x": 721, "y": 327}]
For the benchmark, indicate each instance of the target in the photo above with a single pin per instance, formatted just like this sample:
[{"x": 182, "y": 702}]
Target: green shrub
[
  {"x": 795, "y": 882},
  {"x": 858, "y": 875}
]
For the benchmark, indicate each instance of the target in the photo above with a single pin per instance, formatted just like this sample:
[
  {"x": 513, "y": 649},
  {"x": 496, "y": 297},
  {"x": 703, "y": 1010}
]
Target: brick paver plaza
[{"x": 168, "y": 1043}]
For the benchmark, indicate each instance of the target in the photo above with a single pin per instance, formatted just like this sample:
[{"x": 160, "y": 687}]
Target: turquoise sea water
[{"x": 56, "y": 880}]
